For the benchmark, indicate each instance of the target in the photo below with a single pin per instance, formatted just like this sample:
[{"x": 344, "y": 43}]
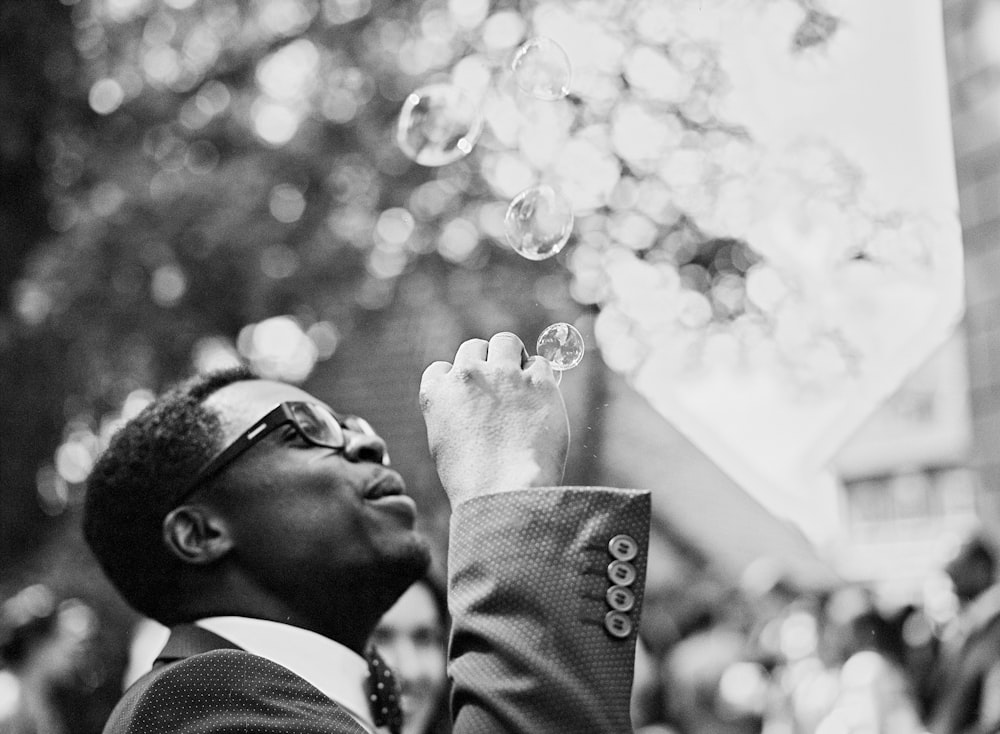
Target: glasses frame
[{"x": 282, "y": 414}]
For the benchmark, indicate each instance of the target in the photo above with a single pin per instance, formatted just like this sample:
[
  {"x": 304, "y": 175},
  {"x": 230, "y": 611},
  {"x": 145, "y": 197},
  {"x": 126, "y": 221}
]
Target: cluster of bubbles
[{"x": 440, "y": 123}]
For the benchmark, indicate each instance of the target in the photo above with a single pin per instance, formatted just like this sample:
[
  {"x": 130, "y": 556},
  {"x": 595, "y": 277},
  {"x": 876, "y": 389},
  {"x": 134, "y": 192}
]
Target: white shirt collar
[{"x": 337, "y": 671}]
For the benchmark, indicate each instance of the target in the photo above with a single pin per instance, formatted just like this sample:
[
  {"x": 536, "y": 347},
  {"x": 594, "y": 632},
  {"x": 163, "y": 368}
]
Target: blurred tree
[
  {"x": 37, "y": 70},
  {"x": 38, "y": 77},
  {"x": 206, "y": 166},
  {"x": 234, "y": 162}
]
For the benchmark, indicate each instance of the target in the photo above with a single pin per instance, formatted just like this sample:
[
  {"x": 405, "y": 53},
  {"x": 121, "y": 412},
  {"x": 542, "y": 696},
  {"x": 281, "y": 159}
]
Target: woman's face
[{"x": 411, "y": 638}]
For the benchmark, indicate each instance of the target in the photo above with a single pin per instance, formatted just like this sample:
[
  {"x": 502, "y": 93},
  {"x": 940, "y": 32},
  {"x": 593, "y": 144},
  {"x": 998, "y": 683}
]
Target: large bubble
[
  {"x": 438, "y": 124},
  {"x": 562, "y": 345},
  {"x": 538, "y": 222},
  {"x": 541, "y": 69}
]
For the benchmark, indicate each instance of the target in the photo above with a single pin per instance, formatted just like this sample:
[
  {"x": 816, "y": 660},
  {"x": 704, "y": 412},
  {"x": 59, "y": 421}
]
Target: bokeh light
[
  {"x": 278, "y": 348},
  {"x": 212, "y": 353},
  {"x": 286, "y": 203},
  {"x": 106, "y": 95}
]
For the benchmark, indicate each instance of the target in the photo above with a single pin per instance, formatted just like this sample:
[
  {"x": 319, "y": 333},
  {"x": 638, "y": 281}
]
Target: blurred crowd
[
  {"x": 765, "y": 658},
  {"x": 48, "y": 661},
  {"x": 771, "y": 659}
]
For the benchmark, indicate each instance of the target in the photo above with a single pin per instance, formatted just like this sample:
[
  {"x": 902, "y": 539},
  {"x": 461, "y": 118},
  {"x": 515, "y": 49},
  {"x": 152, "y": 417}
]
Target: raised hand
[{"x": 495, "y": 419}]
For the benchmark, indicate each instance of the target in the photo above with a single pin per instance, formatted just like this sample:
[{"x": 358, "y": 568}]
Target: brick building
[{"x": 972, "y": 37}]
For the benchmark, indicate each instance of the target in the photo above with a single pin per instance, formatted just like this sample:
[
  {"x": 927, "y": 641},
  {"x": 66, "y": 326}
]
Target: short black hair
[{"x": 135, "y": 483}]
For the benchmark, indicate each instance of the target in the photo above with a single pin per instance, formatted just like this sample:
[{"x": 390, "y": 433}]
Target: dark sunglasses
[{"x": 314, "y": 422}]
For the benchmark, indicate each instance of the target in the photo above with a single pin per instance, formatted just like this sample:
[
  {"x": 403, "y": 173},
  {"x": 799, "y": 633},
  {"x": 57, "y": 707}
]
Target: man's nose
[{"x": 366, "y": 447}]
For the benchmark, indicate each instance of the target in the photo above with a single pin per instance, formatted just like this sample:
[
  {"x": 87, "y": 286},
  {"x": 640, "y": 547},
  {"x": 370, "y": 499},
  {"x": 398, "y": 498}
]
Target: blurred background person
[
  {"x": 412, "y": 638},
  {"x": 863, "y": 649},
  {"x": 967, "y": 675},
  {"x": 693, "y": 669},
  {"x": 647, "y": 707},
  {"x": 46, "y": 658}
]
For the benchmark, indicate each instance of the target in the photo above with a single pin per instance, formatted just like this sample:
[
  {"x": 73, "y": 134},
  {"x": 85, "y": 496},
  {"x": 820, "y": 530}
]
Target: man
[
  {"x": 966, "y": 680},
  {"x": 271, "y": 535}
]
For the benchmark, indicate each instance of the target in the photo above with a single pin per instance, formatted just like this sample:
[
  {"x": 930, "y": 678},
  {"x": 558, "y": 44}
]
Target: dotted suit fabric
[
  {"x": 227, "y": 692},
  {"x": 529, "y": 650}
]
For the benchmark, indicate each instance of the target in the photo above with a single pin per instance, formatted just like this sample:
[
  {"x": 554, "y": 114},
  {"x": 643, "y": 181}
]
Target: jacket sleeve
[{"x": 545, "y": 590}]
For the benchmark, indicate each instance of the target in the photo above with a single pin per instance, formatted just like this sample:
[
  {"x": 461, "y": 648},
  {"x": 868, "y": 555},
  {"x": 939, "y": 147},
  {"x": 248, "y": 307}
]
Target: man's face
[{"x": 304, "y": 517}]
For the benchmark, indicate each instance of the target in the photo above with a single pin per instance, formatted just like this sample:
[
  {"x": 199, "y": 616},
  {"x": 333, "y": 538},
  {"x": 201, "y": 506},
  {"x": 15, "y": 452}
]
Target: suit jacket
[{"x": 545, "y": 590}]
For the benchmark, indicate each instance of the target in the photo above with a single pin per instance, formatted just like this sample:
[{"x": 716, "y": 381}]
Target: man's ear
[{"x": 196, "y": 534}]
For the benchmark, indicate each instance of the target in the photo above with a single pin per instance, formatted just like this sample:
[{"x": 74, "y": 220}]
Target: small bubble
[
  {"x": 541, "y": 68},
  {"x": 438, "y": 124},
  {"x": 538, "y": 222},
  {"x": 562, "y": 345}
]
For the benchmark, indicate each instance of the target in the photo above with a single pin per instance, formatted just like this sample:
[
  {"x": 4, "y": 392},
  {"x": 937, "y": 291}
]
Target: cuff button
[
  {"x": 623, "y": 548},
  {"x": 620, "y": 598},
  {"x": 622, "y": 573},
  {"x": 618, "y": 625}
]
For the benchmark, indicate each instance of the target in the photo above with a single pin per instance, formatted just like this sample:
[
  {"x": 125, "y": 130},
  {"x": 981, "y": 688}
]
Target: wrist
[{"x": 516, "y": 473}]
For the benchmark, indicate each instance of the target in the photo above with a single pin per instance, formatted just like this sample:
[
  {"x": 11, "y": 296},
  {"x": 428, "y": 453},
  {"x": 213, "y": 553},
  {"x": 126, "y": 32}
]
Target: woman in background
[{"x": 412, "y": 638}]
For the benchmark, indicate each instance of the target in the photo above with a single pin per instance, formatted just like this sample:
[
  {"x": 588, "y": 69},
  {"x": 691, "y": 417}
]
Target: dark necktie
[{"x": 383, "y": 693}]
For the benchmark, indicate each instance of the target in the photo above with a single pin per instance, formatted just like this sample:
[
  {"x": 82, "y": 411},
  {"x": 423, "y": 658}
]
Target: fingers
[
  {"x": 506, "y": 348},
  {"x": 539, "y": 367},
  {"x": 470, "y": 352},
  {"x": 504, "y": 351},
  {"x": 503, "y": 348}
]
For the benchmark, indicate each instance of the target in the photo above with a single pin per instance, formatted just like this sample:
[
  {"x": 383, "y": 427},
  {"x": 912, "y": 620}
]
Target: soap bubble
[
  {"x": 438, "y": 124},
  {"x": 561, "y": 344},
  {"x": 541, "y": 69},
  {"x": 538, "y": 222}
]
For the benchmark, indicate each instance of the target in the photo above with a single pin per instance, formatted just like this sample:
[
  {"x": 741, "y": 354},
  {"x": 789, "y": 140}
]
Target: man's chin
[
  {"x": 418, "y": 560},
  {"x": 408, "y": 565}
]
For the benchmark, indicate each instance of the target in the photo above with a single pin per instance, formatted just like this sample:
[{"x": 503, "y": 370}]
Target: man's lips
[{"x": 387, "y": 485}]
